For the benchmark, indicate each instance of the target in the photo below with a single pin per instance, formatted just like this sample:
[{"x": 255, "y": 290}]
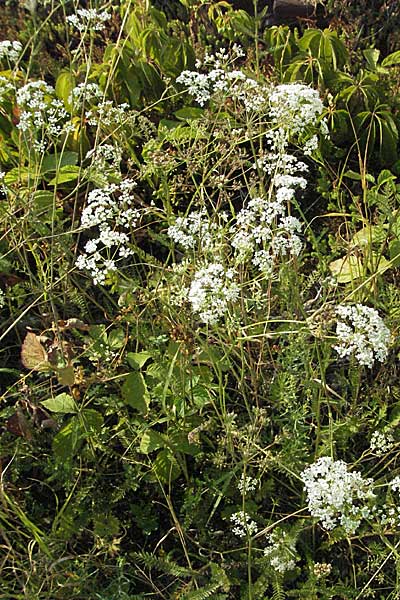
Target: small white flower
[
  {"x": 10, "y": 51},
  {"x": 336, "y": 496},
  {"x": 243, "y": 524},
  {"x": 281, "y": 551},
  {"x": 89, "y": 19},
  {"x": 381, "y": 442},
  {"x": 211, "y": 292},
  {"x": 361, "y": 332},
  {"x": 247, "y": 484}
]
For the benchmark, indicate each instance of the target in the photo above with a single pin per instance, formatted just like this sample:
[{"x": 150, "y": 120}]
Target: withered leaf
[{"x": 33, "y": 354}]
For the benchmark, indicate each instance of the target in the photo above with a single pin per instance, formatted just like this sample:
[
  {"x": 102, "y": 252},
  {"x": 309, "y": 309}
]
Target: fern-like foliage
[
  {"x": 164, "y": 565},
  {"x": 278, "y": 591}
]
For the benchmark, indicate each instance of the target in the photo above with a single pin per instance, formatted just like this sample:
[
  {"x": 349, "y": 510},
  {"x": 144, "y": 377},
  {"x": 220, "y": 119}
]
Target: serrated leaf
[
  {"x": 134, "y": 392},
  {"x": 151, "y": 440},
  {"x": 33, "y": 354},
  {"x": 63, "y": 403},
  {"x": 347, "y": 268}
]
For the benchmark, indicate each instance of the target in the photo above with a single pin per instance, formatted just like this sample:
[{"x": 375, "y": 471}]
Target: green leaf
[
  {"x": 68, "y": 440},
  {"x": 134, "y": 392},
  {"x": 347, "y": 268},
  {"x": 151, "y": 440},
  {"x": 136, "y": 360},
  {"x": 53, "y": 162},
  {"x": 165, "y": 467},
  {"x": 92, "y": 421},
  {"x": 65, "y": 175},
  {"x": 391, "y": 59},
  {"x": 188, "y": 113},
  {"x": 394, "y": 253},
  {"x": 369, "y": 235},
  {"x": 63, "y": 403},
  {"x": 66, "y": 375},
  {"x": 64, "y": 85},
  {"x": 357, "y": 177},
  {"x": 371, "y": 55}
]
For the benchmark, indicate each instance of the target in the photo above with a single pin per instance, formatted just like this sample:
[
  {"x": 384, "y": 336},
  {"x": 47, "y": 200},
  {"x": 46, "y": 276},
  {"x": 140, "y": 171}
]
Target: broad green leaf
[
  {"x": 64, "y": 85},
  {"x": 391, "y": 59},
  {"x": 369, "y": 235},
  {"x": 394, "y": 253},
  {"x": 53, "y": 162},
  {"x": 63, "y": 403},
  {"x": 65, "y": 175},
  {"x": 66, "y": 375},
  {"x": 347, "y": 268},
  {"x": 68, "y": 440},
  {"x": 165, "y": 467},
  {"x": 371, "y": 55},
  {"x": 357, "y": 177},
  {"x": 136, "y": 360},
  {"x": 188, "y": 113},
  {"x": 92, "y": 421},
  {"x": 151, "y": 440},
  {"x": 134, "y": 392}
]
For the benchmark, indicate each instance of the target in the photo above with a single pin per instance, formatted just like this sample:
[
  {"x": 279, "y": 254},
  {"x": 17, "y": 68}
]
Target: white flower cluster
[
  {"x": 10, "y": 51},
  {"x": 247, "y": 484},
  {"x": 381, "y": 442},
  {"x": 108, "y": 115},
  {"x": 2, "y": 298},
  {"x": 193, "y": 231},
  {"x": 84, "y": 93},
  {"x": 395, "y": 484},
  {"x": 361, "y": 332},
  {"x": 212, "y": 290},
  {"x": 115, "y": 219},
  {"x": 244, "y": 526},
  {"x": 5, "y": 87},
  {"x": 105, "y": 158},
  {"x": 335, "y": 496},
  {"x": 295, "y": 106},
  {"x": 88, "y": 19},
  {"x": 281, "y": 551},
  {"x": 41, "y": 113},
  {"x": 221, "y": 79}
]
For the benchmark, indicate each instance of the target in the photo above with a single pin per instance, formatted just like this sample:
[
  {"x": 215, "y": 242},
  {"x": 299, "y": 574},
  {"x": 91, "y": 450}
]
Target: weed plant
[{"x": 199, "y": 296}]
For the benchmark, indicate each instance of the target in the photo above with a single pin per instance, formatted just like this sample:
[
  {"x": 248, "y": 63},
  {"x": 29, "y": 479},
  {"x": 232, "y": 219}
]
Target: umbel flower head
[
  {"x": 336, "y": 496},
  {"x": 361, "y": 332}
]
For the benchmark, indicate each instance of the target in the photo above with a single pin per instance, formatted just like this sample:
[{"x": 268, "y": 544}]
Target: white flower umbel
[
  {"x": 41, "y": 115},
  {"x": 336, "y": 496},
  {"x": 244, "y": 526},
  {"x": 381, "y": 442},
  {"x": 281, "y": 551},
  {"x": 10, "y": 51},
  {"x": 247, "y": 484},
  {"x": 224, "y": 81},
  {"x": 89, "y": 19},
  {"x": 110, "y": 210},
  {"x": 194, "y": 231},
  {"x": 2, "y": 298},
  {"x": 295, "y": 106},
  {"x": 361, "y": 332},
  {"x": 212, "y": 290},
  {"x": 84, "y": 93}
]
